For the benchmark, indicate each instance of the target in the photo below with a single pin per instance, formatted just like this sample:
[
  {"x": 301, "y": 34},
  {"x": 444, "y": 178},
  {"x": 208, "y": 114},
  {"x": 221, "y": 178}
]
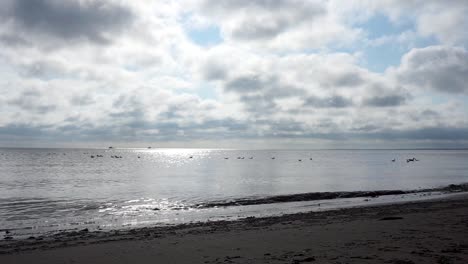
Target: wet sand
[{"x": 433, "y": 231}]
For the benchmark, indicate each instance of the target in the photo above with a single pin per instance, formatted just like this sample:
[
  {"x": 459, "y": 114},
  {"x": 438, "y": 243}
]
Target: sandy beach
[{"x": 419, "y": 232}]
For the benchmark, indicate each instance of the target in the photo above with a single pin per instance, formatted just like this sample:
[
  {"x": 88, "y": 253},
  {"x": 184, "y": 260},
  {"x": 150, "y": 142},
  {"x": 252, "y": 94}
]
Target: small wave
[{"x": 302, "y": 197}]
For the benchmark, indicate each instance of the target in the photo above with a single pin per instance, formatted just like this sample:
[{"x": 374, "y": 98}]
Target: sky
[{"x": 234, "y": 74}]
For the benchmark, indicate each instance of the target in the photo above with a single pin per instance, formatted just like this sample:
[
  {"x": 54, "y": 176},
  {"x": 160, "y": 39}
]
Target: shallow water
[{"x": 52, "y": 189}]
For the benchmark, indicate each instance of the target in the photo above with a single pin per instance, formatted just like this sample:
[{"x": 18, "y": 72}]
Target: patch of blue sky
[
  {"x": 207, "y": 36},
  {"x": 207, "y": 91},
  {"x": 379, "y": 56},
  {"x": 380, "y": 25},
  {"x": 438, "y": 98},
  {"x": 378, "y": 59}
]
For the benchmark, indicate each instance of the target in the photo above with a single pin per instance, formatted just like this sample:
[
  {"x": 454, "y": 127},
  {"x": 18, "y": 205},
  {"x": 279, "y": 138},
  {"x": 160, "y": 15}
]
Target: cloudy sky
[{"x": 234, "y": 74}]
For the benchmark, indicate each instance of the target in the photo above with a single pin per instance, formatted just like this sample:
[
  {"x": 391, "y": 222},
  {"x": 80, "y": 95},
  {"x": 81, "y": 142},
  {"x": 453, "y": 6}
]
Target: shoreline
[
  {"x": 324, "y": 196},
  {"x": 447, "y": 216},
  {"x": 238, "y": 209}
]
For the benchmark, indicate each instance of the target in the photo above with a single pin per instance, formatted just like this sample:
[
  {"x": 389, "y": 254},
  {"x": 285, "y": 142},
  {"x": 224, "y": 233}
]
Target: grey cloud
[
  {"x": 132, "y": 114},
  {"x": 365, "y": 128},
  {"x": 426, "y": 133},
  {"x": 214, "y": 71},
  {"x": 259, "y": 104},
  {"x": 350, "y": 79},
  {"x": 127, "y": 102},
  {"x": 246, "y": 84},
  {"x": 30, "y": 100},
  {"x": 22, "y": 130},
  {"x": 385, "y": 101},
  {"x": 224, "y": 128},
  {"x": 284, "y": 126},
  {"x": 264, "y": 19},
  {"x": 79, "y": 100},
  {"x": 259, "y": 96},
  {"x": 448, "y": 134},
  {"x": 249, "y": 30},
  {"x": 335, "y": 101},
  {"x": 230, "y": 124},
  {"x": 277, "y": 90},
  {"x": 171, "y": 113},
  {"x": 134, "y": 129},
  {"x": 225, "y": 6},
  {"x": 14, "y": 41},
  {"x": 43, "y": 69},
  {"x": 269, "y": 85},
  {"x": 429, "y": 113},
  {"x": 438, "y": 68},
  {"x": 68, "y": 20}
]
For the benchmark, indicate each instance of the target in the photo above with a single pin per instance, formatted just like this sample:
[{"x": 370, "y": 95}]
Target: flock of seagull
[
  {"x": 226, "y": 158},
  {"x": 190, "y": 157},
  {"x": 239, "y": 158}
]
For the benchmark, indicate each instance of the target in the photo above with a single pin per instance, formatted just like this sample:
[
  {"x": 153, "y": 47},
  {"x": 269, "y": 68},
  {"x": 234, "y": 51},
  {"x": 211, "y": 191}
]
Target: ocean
[{"x": 54, "y": 190}]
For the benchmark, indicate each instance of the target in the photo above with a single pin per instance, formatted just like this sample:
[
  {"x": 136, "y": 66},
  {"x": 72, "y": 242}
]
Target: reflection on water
[{"x": 63, "y": 187}]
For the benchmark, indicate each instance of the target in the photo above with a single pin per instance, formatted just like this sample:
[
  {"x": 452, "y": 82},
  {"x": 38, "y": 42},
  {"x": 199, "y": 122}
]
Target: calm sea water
[{"x": 57, "y": 189}]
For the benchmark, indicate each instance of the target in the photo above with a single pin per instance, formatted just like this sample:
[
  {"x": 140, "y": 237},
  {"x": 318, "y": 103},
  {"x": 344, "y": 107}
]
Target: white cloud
[
  {"x": 444, "y": 20},
  {"x": 277, "y": 73},
  {"x": 437, "y": 68},
  {"x": 279, "y": 25}
]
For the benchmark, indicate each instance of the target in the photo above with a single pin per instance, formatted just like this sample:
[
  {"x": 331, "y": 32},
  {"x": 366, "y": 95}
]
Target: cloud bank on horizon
[{"x": 219, "y": 73}]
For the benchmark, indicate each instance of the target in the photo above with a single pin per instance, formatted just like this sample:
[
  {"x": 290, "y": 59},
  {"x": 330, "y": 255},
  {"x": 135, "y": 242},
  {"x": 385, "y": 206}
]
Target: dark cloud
[
  {"x": 14, "y": 40},
  {"x": 68, "y": 20},
  {"x": 385, "y": 101}
]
